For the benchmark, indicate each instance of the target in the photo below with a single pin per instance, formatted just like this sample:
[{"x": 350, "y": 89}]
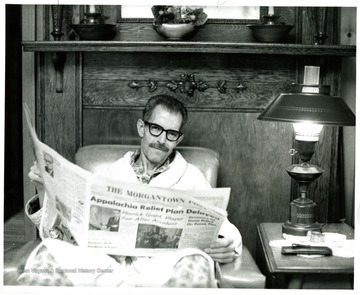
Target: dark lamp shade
[{"x": 315, "y": 107}]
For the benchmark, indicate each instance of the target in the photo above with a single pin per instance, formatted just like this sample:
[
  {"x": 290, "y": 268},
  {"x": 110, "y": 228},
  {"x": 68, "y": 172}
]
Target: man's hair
[{"x": 170, "y": 103}]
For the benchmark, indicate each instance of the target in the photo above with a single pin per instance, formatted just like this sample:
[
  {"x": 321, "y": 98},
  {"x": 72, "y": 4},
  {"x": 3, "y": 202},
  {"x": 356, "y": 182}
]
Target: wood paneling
[
  {"x": 110, "y": 126},
  {"x": 28, "y": 97},
  {"x": 311, "y": 20},
  {"x": 59, "y": 113},
  {"x": 107, "y": 75}
]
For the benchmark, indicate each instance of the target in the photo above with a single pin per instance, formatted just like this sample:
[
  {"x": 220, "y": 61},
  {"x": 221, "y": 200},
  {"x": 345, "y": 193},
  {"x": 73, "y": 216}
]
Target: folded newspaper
[{"x": 122, "y": 218}]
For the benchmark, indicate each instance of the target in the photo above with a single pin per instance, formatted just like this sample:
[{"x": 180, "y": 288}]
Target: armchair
[{"x": 242, "y": 273}]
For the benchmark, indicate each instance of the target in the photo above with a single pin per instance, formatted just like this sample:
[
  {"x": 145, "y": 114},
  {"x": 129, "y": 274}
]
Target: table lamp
[{"x": 309, "y": 106}]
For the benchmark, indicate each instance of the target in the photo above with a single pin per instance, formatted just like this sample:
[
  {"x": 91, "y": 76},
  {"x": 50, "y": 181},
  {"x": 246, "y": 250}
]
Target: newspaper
[{"x": 122, "y": 218}]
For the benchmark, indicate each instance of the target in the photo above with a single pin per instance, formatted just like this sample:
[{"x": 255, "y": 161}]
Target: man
[{"x": 157, "y": 164}]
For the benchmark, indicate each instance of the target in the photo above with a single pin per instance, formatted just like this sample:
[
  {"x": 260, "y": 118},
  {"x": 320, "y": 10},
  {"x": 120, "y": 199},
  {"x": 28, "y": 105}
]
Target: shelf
[{"x": 188, "y": 47}]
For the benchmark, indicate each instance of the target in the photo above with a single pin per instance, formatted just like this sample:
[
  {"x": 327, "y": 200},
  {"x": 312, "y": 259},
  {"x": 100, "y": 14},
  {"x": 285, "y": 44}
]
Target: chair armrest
[
  {"x": 241, "y": 273},
  {"x": 15, "y": 260}
]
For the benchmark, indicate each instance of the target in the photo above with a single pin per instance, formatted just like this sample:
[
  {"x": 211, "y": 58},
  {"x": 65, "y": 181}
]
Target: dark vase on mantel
[
  {"x": 93, "y": 28},
  {"x": 176, "y": 32}
]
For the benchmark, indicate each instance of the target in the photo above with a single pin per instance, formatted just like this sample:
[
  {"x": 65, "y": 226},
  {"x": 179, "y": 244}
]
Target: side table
[{"x": 287, "y": 271}]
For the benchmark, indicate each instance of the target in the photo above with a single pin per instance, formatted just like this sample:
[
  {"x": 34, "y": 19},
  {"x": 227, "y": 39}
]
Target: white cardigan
[{"x": 180, "y": 175}]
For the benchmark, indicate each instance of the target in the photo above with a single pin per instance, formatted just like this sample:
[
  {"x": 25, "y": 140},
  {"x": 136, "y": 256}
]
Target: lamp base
[
  {"x": 302, "y": 218},
  {"x": 297, "y": 229}
]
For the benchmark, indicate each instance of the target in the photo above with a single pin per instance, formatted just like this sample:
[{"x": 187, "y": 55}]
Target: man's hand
[
  {"x": 222, "y": 250},
  {"x": 35, "y": 177}
]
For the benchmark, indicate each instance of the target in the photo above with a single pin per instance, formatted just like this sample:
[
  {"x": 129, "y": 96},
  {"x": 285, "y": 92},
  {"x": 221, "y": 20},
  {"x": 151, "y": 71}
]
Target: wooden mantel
[{"x": 199, "y": 47}]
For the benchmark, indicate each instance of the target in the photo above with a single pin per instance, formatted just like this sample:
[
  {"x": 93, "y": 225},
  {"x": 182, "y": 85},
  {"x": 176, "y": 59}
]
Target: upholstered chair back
[{"x": 92, "y": 157}]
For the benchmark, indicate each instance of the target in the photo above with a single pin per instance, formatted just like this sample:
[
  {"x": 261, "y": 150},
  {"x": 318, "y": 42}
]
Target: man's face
[{"x": 157, "y": 149}]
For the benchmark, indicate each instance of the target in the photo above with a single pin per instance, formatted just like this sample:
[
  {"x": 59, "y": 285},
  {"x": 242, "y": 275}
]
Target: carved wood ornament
[{"x": 187, "y": 85}]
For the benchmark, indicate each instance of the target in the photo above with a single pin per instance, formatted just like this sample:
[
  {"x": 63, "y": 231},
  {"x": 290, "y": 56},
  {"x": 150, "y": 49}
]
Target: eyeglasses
[{"x": 157, "y": 130}]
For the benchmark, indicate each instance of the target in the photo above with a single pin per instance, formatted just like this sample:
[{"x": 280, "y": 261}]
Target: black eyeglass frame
[{"x": 162, "y": 130}]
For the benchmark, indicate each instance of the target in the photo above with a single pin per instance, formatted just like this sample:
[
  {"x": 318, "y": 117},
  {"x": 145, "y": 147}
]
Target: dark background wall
[{"x": 13, "y": 194}]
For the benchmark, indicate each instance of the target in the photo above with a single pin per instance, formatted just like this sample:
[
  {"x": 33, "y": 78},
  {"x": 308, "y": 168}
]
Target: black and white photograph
[
  {"x": 256, "y": 97},
  {"x": 49, "y": 164},
  {"x": 102, "y": 218},
  {"x": 152, "y": 236}
]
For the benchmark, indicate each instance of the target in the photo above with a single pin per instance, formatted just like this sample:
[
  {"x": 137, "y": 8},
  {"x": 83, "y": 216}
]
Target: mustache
[{"x": 159, "y": 146}]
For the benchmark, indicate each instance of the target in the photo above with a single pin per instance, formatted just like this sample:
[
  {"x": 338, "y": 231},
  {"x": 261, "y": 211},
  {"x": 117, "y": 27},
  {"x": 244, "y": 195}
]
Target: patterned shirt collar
[{"x": 138, "y": 167}]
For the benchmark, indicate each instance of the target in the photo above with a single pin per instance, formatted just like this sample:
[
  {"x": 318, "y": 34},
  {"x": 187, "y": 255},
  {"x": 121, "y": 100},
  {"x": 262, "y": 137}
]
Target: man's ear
[{"x": 141, "y": 128}]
